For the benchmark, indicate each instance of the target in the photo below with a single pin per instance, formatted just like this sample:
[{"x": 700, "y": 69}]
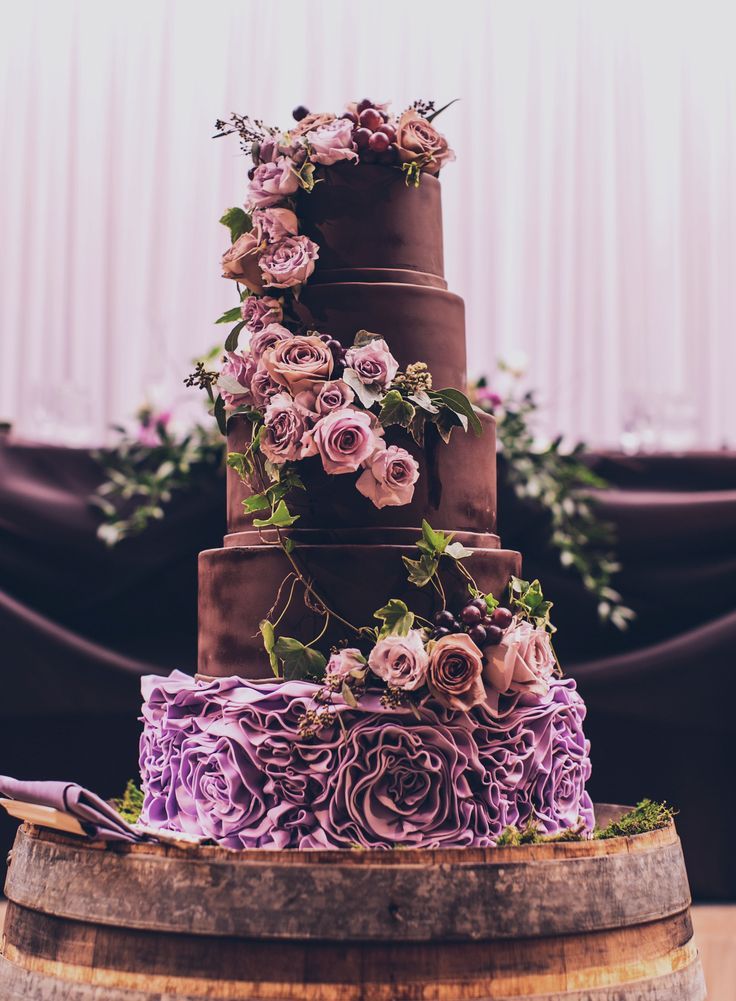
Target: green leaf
[
  {"x": 231, "y": 344},
  {"x": 238, "y": 222},
  {"x": 423, "y": 400},
  {"x": 416, "y": 428},
  {"x": 436, "y": 542},
  {"x": 287, "y": 544},
  {"x": 421, "y": 571},
  {"x": 239, "y": 462},
  {"x": 220, "y": 415},
  {"x": 280, "y": 518},
  {"x": 256, "y": 502},
  {"x": 367, "y": 395},
  {"x": 305, "y": 176},
  {"x": 459, "y": 402},
  {"x": 457, "y": 551},
  {"x": 396, "y": 410},
  {"x": 491, "y": 602},
  {"x": 364, "y": 337},
  {"x": 269, "y": 640},
  {"x": 431, "y": 118},
  {"x": 396, "y": 617},
  {"x": 446, "y": 420},
  {"x": 347, "y": 694},
  {"x": 528, "y": 600},
  {"x": 299, "y": 661},
  {"x": 230, "y": 315}
]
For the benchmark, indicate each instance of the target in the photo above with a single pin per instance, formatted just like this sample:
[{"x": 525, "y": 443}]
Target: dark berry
[
  {"x": 333, "y": 344},
  {"x": 378, "y": 142},
  {"x": 502, "y": 618},
  {"x": 477, "y": 635},
  {"x": 299, "y": 113},
  {"x": 494, "y": 635},
  {"x": 371, "y": 119},
  {"x": 325, "y": 337},
  {"x": 471, "y": 615},
  {"x": 440, "y": 632},
  {"x": 445, "y": 618},
  {"x": 480, "y": 603},
  {"x": 351, "y": 117},
  {"x": 388, "y": 130},
  {"x": 362, "y": 137},
  {"x": 365, "y": 103}
]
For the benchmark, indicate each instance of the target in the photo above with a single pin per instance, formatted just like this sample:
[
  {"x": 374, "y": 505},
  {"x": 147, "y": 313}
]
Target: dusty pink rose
[
  {"x": 275, "y": 224},
  {"x": 271, "y": 183},
  {"x": 373, "y": 363},
  {"x": 284, "y": 427},
  {"x": 522, "y": 662},
  {"x": 344, "y": 439},
  {"x": 240, "y": 261},
  {"x": 234, "y": 381},
  {"x": 260, "y": 310},
  {"x": 263, "y": 387},
  {"x": 455, "y": 670},
  {"x": 267, "y": 338},
  {"x": 267, "y": 151},
  {"x": 332, "y": 141},
  {"x": 289, "y": 262},
  {"x": 342, "y": 663},
  {"x": 314, "y": 120},
  {"x": 327, "y": 396},
  {"x": 418, "y": 139},
  {"x": 389, "y": 477},
  {"x": 299, "y": 363},
  {"x": 401, "y": 661}
]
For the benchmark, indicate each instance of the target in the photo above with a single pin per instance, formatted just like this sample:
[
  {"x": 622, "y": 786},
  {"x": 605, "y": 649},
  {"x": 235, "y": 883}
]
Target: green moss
[
  {"x": 646, "y": 816},
  {"x": 130, "y": 804}
]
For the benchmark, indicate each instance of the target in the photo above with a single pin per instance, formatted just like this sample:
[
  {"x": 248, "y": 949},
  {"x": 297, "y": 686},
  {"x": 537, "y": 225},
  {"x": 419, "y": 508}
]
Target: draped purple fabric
[{"x": 81, "y": 623}]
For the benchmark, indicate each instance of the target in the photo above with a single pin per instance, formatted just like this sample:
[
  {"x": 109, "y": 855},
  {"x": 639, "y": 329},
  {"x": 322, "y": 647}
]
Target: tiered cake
[{"x": 356, "y": 688}]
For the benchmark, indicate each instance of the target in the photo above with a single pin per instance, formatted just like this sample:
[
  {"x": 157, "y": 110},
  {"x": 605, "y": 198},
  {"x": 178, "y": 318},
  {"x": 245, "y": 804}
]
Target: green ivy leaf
[
  {"x": 220, "y": 415},
  {"x": 347, "y": 694},
  {"x": 416, "y": 428},
  {"x": 280, "y": 518},
  {"x": 256, "y": 502},
  {"x": 423, "y": 400},
  {"x": 305, "y": 176},
  {"x": 457, "y": 551},
  {"x": 299, "y": 661},
  {"x": 435, "y": 542},
  {"x": 364, "y": 337},
  {"x": 461, "y": 405},
  {"x": 421, "y": 571},
  {"x": 528, "y": 600},
  {"x": 446, "y": 420},
  {"x": 491, "y": 602},
  {"x": 269, "y": 640},
  {"x": 396, "y": 410},
  {"x": 240, "y": 462},
  {"x": 396, "y": 617},
  {"x": 237, "y": 221},
  {"x": 231, "y": 344},
  {"x": 230, "y": 315}
]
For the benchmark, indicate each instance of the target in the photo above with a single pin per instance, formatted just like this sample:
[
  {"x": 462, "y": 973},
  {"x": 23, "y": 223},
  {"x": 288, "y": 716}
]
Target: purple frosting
[{"x": 226, "y": 760}]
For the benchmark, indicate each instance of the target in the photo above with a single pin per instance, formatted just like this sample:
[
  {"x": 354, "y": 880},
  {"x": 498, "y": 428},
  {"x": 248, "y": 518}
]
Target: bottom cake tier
[{"x": 271, "y": 765}]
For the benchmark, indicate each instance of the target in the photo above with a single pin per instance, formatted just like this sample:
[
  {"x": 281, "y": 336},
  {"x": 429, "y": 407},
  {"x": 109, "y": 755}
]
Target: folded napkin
[{"x": 97, "y": 818}]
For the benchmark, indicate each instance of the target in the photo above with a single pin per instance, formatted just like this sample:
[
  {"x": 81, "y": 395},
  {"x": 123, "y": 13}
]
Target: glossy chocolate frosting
[{"x": 238, "y": 585}]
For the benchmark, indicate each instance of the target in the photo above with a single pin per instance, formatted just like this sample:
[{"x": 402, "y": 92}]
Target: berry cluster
[
  {"x": 336, "y": 348},
  {"x": 484, "y": 628},
  {"x": 373, "y": 134}
]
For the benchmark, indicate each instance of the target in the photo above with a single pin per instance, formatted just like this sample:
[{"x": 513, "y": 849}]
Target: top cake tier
[{"x": 371, "y": 227}]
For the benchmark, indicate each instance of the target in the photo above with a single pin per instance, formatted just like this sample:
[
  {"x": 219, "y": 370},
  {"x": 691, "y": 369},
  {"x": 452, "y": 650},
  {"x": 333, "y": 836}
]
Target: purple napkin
[{"x": 98, "y": 818}]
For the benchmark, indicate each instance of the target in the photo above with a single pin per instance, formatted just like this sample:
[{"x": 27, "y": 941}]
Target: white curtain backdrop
[{"x": 590, "y": 219}]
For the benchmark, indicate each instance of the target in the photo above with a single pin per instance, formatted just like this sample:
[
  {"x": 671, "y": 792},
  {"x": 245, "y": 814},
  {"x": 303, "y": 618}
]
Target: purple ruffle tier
[{"x": 225, "y": 760}]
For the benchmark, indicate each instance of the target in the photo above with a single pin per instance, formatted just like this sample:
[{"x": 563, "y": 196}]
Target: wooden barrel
[{"x": 585, "y": 921}]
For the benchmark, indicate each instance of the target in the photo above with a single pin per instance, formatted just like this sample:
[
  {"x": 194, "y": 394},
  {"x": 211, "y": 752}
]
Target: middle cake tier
[{"x": 239, "y": 586}]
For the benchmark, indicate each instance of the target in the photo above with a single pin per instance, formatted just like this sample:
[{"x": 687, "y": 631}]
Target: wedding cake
[{"x": 373, "y": 671}]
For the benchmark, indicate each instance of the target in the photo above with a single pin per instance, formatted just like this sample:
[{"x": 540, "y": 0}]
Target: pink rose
[
  {"x": 314, "y": 120},
  {"x": 263, "y": 387},
  {"x": 522, "y": 662},
  {"x": 454, "y": 674},
  {"x": 373, "y": 363},
  {"x": 418, "y": 139},
  {"x": 389, "y": 477},
  {"x": 240, "y": 261},
  {"x": 275, "y": 224},
  {"x": 271, "y": 183},
  {"x": 343, "y": 663},
  {"x": 260, "y": 310},
  {"x": 332, "y": 142},
  {"x": 235, "y": 379},
  {"x": 401, "y": 661},
  {"x": 299, "y": 363},
  {"x": 343, "y": 439},
  {"x": 267, "y": 151},
  {"x": 327, "y": 396},
  {"x": 289, "y": 262},
  {"x": 267, "y": 338},
  {"x": 284, "y": 427}
]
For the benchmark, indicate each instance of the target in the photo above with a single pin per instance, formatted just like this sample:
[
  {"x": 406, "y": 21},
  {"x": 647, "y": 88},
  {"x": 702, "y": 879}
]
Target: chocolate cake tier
[
  {"x": 368, "y": 218},
  {"x": 238, "y": 585},
  {"x": 456, "y": 487}
]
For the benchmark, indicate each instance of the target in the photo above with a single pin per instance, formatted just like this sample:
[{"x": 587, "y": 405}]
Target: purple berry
[
  {"x": 371, "y": 119},
  {"x": 362, "y": 137},
  {"x": 502, "y": 618},
  {"x": 387, "y": 130},
  {"x": 478, "y": 635},
  {"x": 439, "y": 632},
  {"x": 494, "y": 635},
  {"x": 379, "y": 142},
  {"x": 299, "y": 113},
  {"x": 471, "y": 615},
  {"x": 445, "y": 618},
  {"x": 365, "y": 103},
  {"x": 351, "y": 117},
  {"x": 480, "y": 603}
]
